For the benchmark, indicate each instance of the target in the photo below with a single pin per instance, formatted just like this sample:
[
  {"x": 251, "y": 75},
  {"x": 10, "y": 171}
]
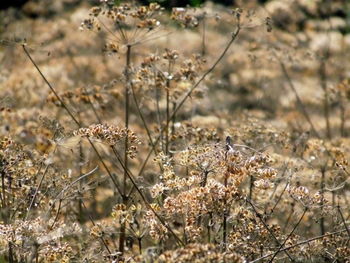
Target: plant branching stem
[
  {"x": 72, "y": 116},
  {"x": 188, "y": 94},
  {"x": 323, "y": 76},
  {"x": 284, "y": 242},
  {"x": 267, "y": 227},
  {"x": 280, "y": 196},
  {"x": 36, "y": 191},
  {"x": 343, "y": 219},
  {"x": 148, "y": 205},
  {"x": 323, "y": 177},
  {"x": 126, "y": 157},
  {"x": 167, "y": 117},
  {"x": 299, "y": 101},
  {"x": 142, "y": 117},
  {"x": 94, "y": 224},
  {"x": 203, "y": 35},
  {"x": 57, "y": 214},
  {"x": 298, "y": 244}
]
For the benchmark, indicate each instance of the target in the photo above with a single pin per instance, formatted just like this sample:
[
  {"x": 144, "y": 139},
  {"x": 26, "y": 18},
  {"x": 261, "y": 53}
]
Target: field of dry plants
[{"x": 134, "y": 133}]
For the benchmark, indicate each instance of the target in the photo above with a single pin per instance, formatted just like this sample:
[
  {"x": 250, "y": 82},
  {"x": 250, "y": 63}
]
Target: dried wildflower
[
  {"x": 199, "y": 252},
  {"x": 302, "y": 194},
  {"x": 184, "y": 18},
  {"x": 89, "y": 24},
  {"x": 231, "y": 201},
  {"x": 156, "y": 230},
  {"x": 144, "y": 17},
  {"x": 268, "y": 24},
  {"x": 263, "y": 184},
  {"x": 96, "y": 231},
  {"x": 171, "y": 55},
  {"x": 111, "y": 48},
  {"x": 121, "y": 214},
  {"x": 110, "y": 135}
]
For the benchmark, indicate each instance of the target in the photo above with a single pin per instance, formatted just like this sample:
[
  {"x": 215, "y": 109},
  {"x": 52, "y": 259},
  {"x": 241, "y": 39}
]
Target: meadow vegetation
[{"x": 135, "y": 133}]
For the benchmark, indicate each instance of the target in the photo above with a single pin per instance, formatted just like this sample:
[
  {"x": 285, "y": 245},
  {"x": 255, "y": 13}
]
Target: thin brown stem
[
  {"x": 203, "y": 34},
  {"x": 148, "y": 204},
  {"x": 126, "y": 146},
  {"x": 36, "y": 191},
  {"x": 224, "y": 216},
  {"x": 267, "y": 227},
  {"x": 3, "y": 193},
  {"x": 188, "y": 94},
  {"x": 342, "y": 118},
  {"x": 167, "y": 112},
  {"x": 251, "y": 186},
  {"x": 343, "y": 220},
  {"x": 284, "y": 242},
  {"x": 323, "y": 176},
  {"x": 139, "y": 243},
  {"x": 80, "y": 160},
  {"x": 142, "y": 117},
  {"x": 10, "y": 253},
  {"x": 323, "y": 76},
  {"x": 280, "y": 196},
  {"x": 92, "y": 106},
  {"x": 298, "y": 244},
  {"x": 299, "y": 101},
  {"x": 72, "y": 116},
  {"x": 94, "y": 224},
  {"x": 57, "y": 213}
]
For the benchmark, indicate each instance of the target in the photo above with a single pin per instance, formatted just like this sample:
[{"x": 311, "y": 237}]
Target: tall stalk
[
  {"x": 290, "y": 234},
  {"x": 203, "y": 34},
  {"x": 224, "y": 217},
  {"x": 3, "y": 190},
  {"x": 179, "y": 105},
  {"x": 127, "y": 109},
  {"x": 63, "y": 104},
  {"x": 80, "y": 206},
  {"x": 323, "y": 77},
  {"x": 323, "y": 176},
  {"x": 167, "y": 88}
]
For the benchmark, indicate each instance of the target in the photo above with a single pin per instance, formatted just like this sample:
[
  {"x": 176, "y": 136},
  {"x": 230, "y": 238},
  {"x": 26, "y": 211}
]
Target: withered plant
[{"x": 133, "y": 133}]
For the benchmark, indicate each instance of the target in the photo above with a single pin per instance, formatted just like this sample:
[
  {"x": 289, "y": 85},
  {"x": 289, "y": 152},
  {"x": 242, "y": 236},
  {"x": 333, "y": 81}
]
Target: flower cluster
[
  {"x": 168, "y": 72},
  {"x": 200, "y": 253},
  {"x": 121, "y": 16},
  {"x": 303, "y": 195},
  {"x": 275, "y": 190},
  {"x": 111, "y": 135},
  {"x": 156, "y": 230},
  {"x": 35, "y": 232},
  {"x": 184, "y": 18}
]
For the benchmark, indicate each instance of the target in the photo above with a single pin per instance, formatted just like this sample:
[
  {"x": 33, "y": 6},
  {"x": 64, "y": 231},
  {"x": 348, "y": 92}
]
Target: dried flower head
[{"x": 111, "y": 135}]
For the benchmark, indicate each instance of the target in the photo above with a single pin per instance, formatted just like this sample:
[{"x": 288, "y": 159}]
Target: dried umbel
[
  {"x": 111, "y": 135},
  {"x": 207, "y": 158},
  {"x": 169, "y": 73},
  {"x": 199, "y": 200},
  {"x": 303, "y": 195},
  {"x": 156, "y": 230},
  {"x": 26, "y": 234},
  {"x": 189, "y": 133},
  {"x": 225, "y": 202},
  {"x": 184, "y": 18},
  {"x": 200, "y": 253},
  {"x": 18, "y": 173},
  {"x": 85, "y": 95},
  {"x": 141, "y": 19}
]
